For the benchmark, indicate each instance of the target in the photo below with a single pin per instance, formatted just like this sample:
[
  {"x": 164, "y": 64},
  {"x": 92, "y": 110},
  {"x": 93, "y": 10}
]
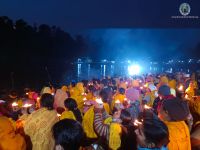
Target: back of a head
[
  {"x": 47, "y": 100},
  {"x": 121, "y": 90},
  {"x": 104, "y": 95},
  {"x": 68, "y": 134},
  {"x": 164, "y": 90},
  {"x": 128, "y": 136},
  {"x": 155, "y": 132},
  {"x": 177, "y": 109},
  {"x": 125, "y": 117},
  {"x": 71, "y": 105}
]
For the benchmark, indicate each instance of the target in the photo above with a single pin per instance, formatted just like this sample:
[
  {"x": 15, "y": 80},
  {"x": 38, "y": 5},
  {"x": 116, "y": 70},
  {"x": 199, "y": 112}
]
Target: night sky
[
  {"x": 75, "y": 15},
  {"x": 112, "y": 29}
]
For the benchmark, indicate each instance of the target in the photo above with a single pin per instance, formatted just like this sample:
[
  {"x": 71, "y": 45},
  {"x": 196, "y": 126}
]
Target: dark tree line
[
  {"x": 21, "y": 39},
  {"x": 27, "y": 50}
]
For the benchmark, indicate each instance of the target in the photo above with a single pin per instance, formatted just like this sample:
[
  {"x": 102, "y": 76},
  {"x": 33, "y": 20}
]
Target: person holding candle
[
  {"x": 120, "y": 95},
  {"x": 119, "y": 134}
]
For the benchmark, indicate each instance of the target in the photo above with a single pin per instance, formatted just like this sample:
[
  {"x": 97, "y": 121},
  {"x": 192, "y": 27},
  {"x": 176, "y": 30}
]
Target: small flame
[
  {"x": 27, "y": 105},
  {"x": 136, "y": 122},
  {"x": 38, "y": 98},
  {"x": 27, "y": 93},
  {"x": 117, "y": 102},
  {"x": 180, "y": 88},
  {"x": 52, "y": 94},
  {"x": 99, "y": 101},
  {"x": 186, "y": 96},
  {"x": 141, "y": 88},
  {"x": 147, "y": 107},
  {"x": 125, "y": 99},
  {"x": 14, "y": 104},
  {"x": 84, "y": 99},
  {"x": 58, "y": 115}
]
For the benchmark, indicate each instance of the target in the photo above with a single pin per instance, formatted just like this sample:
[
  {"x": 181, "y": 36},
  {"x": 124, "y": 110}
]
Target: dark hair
[
  {"x": 125, "y": 117},
  {"x": 47, "y": 101},
  {"x": 73, "y": 83},
  {"x": 71, "y": 105},
  {"x": 68, "y": 133},
  {"x": 121, "y": 90},
  {"x": 128, "y": 136},
  {"x": 104, "y": 95},
  {"x": 156, "y": 132}
]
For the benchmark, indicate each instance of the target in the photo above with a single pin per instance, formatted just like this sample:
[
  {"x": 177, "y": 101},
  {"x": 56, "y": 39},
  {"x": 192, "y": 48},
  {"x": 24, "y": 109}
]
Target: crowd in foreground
[{"x": 147, "y": 112}]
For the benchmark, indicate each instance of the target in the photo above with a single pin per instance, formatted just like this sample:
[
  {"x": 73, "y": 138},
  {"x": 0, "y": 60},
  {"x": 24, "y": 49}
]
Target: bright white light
[{"x": 134, "y": 70}]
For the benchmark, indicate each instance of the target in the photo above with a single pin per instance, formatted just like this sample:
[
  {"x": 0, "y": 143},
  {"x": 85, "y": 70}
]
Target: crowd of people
[{"x": 146, "y": 112}]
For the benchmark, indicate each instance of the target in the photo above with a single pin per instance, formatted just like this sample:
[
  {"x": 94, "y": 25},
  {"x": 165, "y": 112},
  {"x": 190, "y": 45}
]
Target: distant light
[{"x": 134, "y": 70}]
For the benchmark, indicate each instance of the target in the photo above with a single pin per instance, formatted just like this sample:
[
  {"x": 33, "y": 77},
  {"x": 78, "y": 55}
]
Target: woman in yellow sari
[
  {"x": 9, "y": 140},
  {"x": 71, "y": 110},
  {"x": 173, "y": 112},
  {"x": 38, "y": 125}
]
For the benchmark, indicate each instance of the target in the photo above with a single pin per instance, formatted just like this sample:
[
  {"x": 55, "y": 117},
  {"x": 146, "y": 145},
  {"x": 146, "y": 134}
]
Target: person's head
[
  {"x": 71, "y": 105},
  {"x": 164, "y": 90},
  {"x": 121, "y": 91},
  {"x": 91, "y": 88},
  {"x": 68, "y": 135},
  {"x": 47, "y": 101},
  {"x": 153, "y": 134},
  {"x": 173, "y": 110},
  {"x": 73, "y": 83},
  {"x": 104, "y": 95},
  {"x": 125, "y": 116}
]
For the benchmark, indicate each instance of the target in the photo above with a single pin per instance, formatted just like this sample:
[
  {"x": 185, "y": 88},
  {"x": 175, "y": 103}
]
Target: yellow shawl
[
  {"x": 38, "y": 126},
  {"x": 179, "y": 136},
  {"x": 67, "y": 115},
  {"x": 88, "y": 123},
  {"x": 115, "y": 136},
  {"x": 9, "y": 140}
]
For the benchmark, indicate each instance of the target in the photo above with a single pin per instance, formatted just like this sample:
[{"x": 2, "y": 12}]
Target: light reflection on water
[{"x": 89, "y": 71}]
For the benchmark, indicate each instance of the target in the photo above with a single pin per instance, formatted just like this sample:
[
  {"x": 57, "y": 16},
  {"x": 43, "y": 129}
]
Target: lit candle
[
  {"x": 27, "y": 105},
  {"x": 117, "y": 102},
  {"x": 186, "y": 96},
  {"x": 58, "y": 115},
  {"x": 27, "y": 93},
  {"x": 136, "y": 122},
  {"x": 99, "y": 101},
  {"x": 146, "y": 107},
  {"x": 14, "y": 104},
  {"x": 180, "y": 88}
]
